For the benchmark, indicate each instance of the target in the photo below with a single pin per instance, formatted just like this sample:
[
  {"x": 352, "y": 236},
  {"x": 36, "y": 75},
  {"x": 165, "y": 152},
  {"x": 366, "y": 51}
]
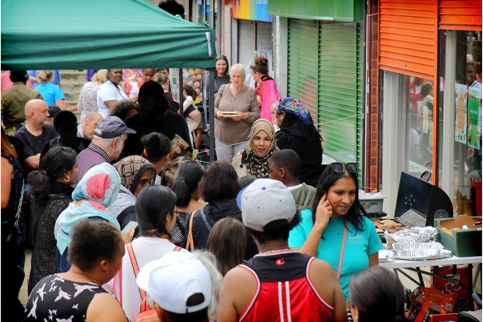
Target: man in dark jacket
[{"x": 154, "y": 116}]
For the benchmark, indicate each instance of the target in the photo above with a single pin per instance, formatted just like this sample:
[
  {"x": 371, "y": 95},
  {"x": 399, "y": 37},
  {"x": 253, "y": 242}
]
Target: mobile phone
[{"x": 130, "y": 225}]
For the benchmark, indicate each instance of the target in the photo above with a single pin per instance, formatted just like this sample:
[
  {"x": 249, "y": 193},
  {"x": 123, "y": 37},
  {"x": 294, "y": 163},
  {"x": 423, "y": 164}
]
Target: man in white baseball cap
[
  {"x": 278, "y": 284},
  {"x": 181, "y": 285}
]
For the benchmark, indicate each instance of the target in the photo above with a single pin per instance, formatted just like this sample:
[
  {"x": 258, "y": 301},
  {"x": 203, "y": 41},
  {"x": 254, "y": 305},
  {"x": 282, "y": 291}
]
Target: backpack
[{"x": 146, "y": 313}]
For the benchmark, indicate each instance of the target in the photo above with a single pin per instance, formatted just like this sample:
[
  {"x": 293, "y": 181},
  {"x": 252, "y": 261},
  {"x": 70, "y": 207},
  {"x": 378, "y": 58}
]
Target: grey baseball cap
[{"x": 112, "y": 127}]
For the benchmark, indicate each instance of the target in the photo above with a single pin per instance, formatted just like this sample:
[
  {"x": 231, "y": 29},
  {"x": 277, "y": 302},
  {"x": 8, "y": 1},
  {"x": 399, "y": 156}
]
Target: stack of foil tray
[{"x": 420, "y": 251}]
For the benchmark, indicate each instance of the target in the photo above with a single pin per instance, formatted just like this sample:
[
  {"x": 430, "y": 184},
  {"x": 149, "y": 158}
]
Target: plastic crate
[{"x": 372, "y": 206}]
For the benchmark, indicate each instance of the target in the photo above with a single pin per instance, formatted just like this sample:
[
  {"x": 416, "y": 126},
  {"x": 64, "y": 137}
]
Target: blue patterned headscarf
[
  {"x": 293, "y": 106},
  {"x": 97, "y": 189}
]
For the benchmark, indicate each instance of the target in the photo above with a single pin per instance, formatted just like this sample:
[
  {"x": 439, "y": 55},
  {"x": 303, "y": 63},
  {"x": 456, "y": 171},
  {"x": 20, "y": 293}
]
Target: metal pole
[
  {"x": 212, "y": 114},
  {"x": 180, "y": 90}
]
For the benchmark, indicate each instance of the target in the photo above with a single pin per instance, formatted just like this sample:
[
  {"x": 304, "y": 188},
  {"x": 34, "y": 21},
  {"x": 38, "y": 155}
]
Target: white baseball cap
[
  {"x": 264, "y": 201},
  {"x": 171, "y": 280}
]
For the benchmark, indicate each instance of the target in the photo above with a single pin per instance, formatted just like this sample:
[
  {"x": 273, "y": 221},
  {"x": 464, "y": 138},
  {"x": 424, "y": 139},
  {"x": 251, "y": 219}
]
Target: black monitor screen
[{"x": 423, "y": 197}]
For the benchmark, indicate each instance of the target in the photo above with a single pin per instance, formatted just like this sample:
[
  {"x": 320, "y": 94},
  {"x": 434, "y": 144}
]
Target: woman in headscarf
[
  {"x": 136, "y": 173},
  {"x": 297, "y": 132},
  {"x": 254, "y": 159},
  {"x": 96, "y": 191}
]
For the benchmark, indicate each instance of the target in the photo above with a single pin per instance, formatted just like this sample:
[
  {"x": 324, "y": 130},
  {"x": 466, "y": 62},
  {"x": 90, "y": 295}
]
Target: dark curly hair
[{"x": 93, "y": 241}]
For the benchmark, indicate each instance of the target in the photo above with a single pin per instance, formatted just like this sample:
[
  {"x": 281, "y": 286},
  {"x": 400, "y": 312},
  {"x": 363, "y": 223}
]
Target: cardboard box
[{"x": 462, "y": 242}]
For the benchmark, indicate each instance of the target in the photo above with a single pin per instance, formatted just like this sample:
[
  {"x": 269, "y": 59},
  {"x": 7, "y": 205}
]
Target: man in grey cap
[{"x": 106, "y": 145}]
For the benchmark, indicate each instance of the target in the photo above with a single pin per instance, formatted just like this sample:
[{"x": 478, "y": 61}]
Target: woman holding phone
[{"x": 336, "y": 229}]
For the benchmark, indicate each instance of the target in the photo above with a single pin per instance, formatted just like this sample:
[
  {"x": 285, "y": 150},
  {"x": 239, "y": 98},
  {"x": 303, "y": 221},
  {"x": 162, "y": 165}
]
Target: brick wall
[{"x": 373, "y": 125}]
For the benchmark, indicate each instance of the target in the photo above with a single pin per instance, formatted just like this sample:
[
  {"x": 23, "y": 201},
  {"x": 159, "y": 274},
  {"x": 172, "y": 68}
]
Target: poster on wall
[
  {"x": 461, "y": 91},
  {"x": 474, "y": 117},
  {"x": 256, "y": 10}
]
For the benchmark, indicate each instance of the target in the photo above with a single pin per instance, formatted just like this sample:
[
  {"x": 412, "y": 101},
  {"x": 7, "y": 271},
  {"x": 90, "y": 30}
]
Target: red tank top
[{"x": 285, "y": 292}]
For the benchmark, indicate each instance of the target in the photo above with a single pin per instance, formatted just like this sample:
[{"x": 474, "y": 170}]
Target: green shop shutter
[
  {"x": 340, "y": 91},
  {"x": 302, "y": 79}
]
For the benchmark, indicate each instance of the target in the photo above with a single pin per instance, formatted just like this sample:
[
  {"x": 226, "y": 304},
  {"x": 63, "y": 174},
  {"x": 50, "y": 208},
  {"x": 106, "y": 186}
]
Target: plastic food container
[{"x": 371, "y": 201}]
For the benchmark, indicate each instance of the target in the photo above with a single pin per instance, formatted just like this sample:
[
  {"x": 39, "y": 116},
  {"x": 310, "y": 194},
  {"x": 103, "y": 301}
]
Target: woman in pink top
[{"x": 267, "y": 93}]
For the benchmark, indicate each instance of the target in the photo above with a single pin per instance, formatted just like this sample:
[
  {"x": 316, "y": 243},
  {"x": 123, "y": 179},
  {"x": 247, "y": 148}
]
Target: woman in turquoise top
[{"x": 342, "y": 235}]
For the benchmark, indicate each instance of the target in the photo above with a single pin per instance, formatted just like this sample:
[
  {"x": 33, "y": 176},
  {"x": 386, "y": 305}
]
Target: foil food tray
[
  {"x": 422, "y": 254},
  {"x": 415, "y": 246}
]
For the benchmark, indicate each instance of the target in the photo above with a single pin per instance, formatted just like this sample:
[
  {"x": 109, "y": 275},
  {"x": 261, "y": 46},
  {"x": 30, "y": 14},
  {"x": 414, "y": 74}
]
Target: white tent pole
[{"x": 212, "y": 114}]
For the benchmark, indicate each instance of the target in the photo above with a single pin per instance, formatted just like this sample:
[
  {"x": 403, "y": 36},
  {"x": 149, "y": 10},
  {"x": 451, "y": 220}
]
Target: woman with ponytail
[
  {"x": 186, "y": 188},
  {"x": 50, "y": 194},
  {"x": 156, "y": 219},
  {"x": 267, "y": 93}
]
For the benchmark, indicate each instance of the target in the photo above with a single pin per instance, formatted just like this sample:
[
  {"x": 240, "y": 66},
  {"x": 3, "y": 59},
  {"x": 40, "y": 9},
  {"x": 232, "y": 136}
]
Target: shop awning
[
  {"x": 330, "y": 10},
  {"x": 55, "y": 34}
]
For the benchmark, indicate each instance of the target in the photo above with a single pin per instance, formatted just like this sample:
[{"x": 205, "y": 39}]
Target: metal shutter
[
  {"x": 408, "y": 37},
  {"x": 460, "y": 15},
  {"x": 302, "y": 78},
  {"x": 341, "y": 91}
]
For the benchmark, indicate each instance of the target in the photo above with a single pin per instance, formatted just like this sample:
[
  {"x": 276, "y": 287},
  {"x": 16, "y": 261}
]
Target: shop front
[
  {"x": 252, "y": 27},
  {"x": 430, "y": 62},
  {"x": 323, "y": 42}
]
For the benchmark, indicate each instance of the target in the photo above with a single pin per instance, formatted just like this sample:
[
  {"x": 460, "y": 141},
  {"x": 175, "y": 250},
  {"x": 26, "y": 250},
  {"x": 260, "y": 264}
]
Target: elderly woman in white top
[{"x": 236, "y": 108}]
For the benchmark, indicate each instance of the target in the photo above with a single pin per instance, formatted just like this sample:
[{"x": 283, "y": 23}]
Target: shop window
[
  {"x": 417, "y": 96},
  {"x": 460, "y": 162}
]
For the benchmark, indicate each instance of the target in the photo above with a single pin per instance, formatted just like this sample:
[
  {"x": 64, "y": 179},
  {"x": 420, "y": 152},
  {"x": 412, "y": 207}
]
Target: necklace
[{"x": 275, "y": 251}]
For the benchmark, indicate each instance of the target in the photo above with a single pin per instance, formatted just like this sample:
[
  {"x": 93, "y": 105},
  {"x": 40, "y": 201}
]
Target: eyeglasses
[{"x": 340, "y": 167}]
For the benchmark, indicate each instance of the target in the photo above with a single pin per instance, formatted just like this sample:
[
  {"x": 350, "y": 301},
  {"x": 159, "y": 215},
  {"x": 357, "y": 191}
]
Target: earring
[{"x": 66, "y": 179}]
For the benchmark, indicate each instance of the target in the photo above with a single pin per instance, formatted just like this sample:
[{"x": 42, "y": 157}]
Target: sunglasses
[{"x": 340, "y": 167}]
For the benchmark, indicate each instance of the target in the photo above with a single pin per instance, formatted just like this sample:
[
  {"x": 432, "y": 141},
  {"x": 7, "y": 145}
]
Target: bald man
[
  {"x": 85, "y": 130},
  {"x": 35, "y": 133}
]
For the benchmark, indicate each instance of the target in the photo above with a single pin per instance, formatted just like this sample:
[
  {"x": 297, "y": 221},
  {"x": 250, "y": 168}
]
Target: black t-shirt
[
  {"x": 169, "y": 124},
  {"x": 33, "y": 145}
]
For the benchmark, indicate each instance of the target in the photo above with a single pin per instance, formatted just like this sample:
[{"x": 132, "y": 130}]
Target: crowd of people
[{"x": 125, "y": 226}]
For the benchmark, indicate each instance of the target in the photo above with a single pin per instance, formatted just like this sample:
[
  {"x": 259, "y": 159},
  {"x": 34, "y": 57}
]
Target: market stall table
[
  {"x": 399, "y": 263},
  {"x": 415, "y": 266}
]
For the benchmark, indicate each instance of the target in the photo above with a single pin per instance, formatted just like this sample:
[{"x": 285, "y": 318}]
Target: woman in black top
[
  {"x": 13, "y": 228},
  {"x": 297, "y": 132},
  {"x": 51, "y": 189},
  {"x": 219, "y": 187},
  {"x": 95, "y": 252}
]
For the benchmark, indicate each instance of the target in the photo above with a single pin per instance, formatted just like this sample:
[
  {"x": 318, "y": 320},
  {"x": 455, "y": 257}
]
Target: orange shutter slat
[
  {"x": 408, "y": 35},
  {"x": 460, "y": 15}
]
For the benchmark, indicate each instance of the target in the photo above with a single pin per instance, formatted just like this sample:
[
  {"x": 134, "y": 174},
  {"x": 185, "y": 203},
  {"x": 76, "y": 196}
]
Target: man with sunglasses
[{"x": 336, "y": 229}]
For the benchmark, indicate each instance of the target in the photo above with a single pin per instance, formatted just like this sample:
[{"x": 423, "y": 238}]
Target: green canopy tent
[
  {"x": 103, "y": 34},
  {"x": 82, "y": 34}
]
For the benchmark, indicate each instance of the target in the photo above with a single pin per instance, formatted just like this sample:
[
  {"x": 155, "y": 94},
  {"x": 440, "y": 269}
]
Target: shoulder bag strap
[
  {"x": 205, "y": 219},
  {"x": 190, "y": 244},
  {"x": 135, "y": 268},
  {"x": 342, "y": 249}
]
